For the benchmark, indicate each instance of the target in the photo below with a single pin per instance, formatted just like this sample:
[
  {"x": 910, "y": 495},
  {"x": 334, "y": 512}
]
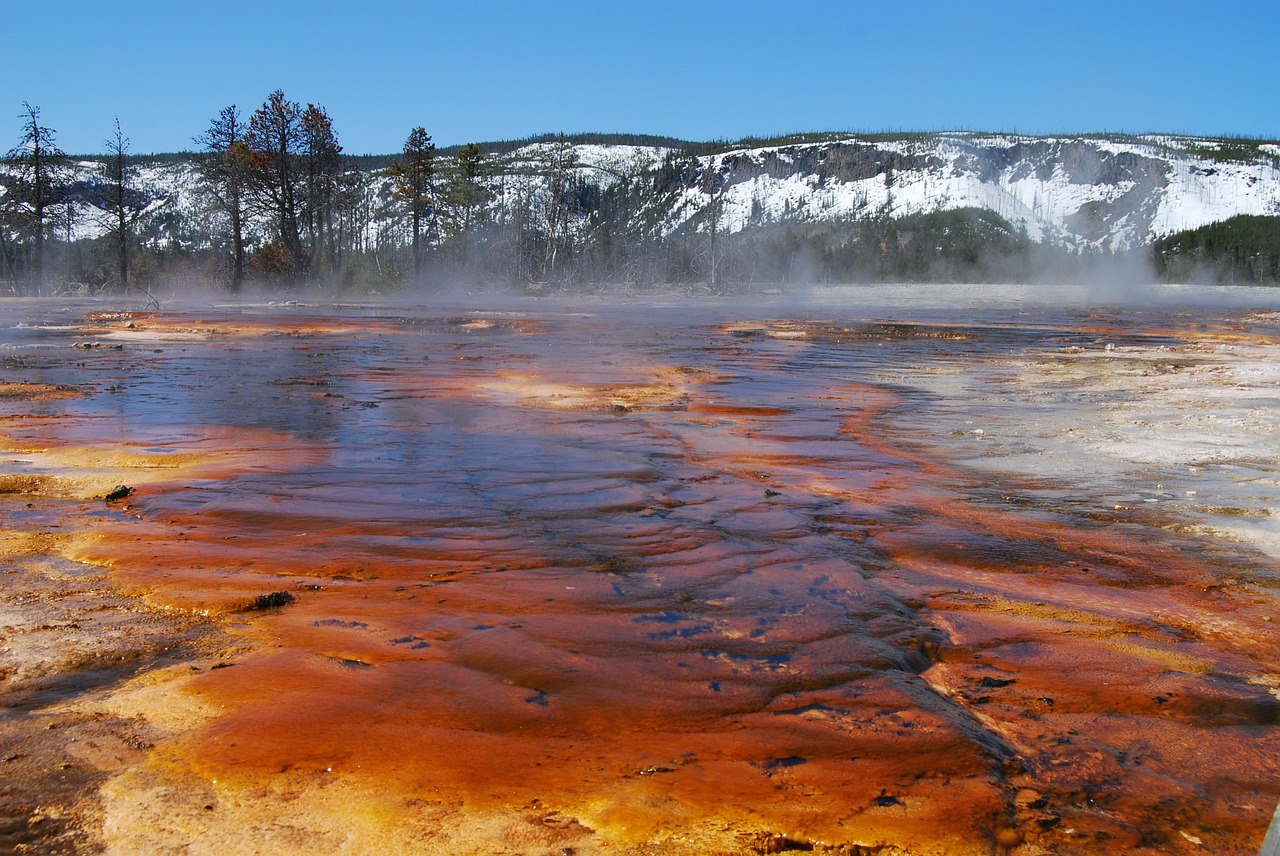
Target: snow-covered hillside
[
  {"x": 1103, "y": 192},
  {"x": 1096, "y": 192}
]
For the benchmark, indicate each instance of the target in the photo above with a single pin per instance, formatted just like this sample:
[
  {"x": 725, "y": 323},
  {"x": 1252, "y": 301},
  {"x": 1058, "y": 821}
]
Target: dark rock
[{"x": 274, "y": 600}]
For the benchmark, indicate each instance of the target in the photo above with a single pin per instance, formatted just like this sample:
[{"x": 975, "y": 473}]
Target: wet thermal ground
[{"x": 623, "y": 578}]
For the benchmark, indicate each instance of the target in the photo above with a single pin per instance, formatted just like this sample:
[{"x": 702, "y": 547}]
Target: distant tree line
[
  {"x": 283, "y": 205},
  {"x": 1243, "y": 250}
]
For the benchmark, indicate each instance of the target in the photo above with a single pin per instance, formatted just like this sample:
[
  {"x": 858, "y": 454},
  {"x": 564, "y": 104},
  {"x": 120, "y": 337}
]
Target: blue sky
[{"x": 697, "y": 69}]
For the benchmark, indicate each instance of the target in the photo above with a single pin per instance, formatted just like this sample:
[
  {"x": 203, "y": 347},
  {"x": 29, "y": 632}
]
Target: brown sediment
[
  {"x": 66, "y": 630},
  {"x": 36, "y": 391},
  {"x": 614, "y": 588}
]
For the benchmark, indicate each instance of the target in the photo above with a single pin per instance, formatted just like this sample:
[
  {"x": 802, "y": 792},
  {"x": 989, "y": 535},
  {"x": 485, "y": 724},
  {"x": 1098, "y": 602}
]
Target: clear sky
[{"x": 695, "y": 69}]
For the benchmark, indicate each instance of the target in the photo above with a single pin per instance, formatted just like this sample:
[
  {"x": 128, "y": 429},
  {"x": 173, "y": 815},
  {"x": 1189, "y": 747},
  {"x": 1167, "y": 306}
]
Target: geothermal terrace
[{"x": 916, "y": 571}]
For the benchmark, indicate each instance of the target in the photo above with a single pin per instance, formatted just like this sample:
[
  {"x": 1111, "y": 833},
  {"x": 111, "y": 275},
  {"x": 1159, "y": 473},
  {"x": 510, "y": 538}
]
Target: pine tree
[
  {"x": 467, "y": 193},
  {"x": 40, "y": 173},
  {"x": 321, "y": 156},
  {"x": 275, "y": 141},
  {"x": 224, "y": 173},
  {"x": 466, "y": 197},
  {"x": 353, "y": 211},
  {"x": 411, "y": 175}
]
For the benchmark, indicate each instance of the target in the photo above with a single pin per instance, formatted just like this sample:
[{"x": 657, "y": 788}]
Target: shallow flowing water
[{"x": 704, "y": 576}]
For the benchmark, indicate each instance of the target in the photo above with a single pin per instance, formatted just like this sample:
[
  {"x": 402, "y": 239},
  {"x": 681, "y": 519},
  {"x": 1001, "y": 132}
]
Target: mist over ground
[{"x": 614, "y": 213}]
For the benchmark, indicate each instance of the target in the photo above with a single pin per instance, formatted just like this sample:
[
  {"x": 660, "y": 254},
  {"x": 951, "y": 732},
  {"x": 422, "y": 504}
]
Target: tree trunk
[
  {"x": 417, "y": 242},
  {"x": 237, "y": 247},
  {"x": 121, "y": 224}
]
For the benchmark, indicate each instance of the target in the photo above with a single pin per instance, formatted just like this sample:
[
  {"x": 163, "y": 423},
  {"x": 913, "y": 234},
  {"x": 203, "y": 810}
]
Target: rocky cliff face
[{"x": 1088, "y": 192}]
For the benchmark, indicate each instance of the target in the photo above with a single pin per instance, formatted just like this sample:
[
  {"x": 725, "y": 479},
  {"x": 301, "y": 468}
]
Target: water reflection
[{"x": 666, "y": 570}]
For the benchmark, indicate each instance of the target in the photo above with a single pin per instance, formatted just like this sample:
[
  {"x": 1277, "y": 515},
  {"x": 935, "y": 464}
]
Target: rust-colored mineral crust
[{"x": 631, "y": 581}]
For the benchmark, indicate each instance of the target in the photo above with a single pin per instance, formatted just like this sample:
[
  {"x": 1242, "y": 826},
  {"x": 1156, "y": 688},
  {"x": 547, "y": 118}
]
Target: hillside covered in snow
[
  {"x": 1098, "y": 192},
  {"x": 842, "y": 204}
]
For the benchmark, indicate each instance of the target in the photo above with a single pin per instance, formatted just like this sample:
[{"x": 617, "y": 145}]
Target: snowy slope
[
  {"x": 1108, "y": 193},
  {"x": 1078, "y": 192}
]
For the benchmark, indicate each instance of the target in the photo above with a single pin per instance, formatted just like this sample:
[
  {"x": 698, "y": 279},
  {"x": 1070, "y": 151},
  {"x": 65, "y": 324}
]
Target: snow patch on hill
[{"x": 1109, "y": 193}]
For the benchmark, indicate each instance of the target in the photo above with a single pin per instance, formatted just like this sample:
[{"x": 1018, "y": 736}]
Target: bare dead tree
[
  {"x": 117, "y": 147},
  {"x": 711, "y": 186},
  {"x": 559, "y": 203}
]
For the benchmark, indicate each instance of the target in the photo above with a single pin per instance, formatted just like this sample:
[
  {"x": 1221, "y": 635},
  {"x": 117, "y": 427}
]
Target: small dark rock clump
[{"x": 274, "y": 600}]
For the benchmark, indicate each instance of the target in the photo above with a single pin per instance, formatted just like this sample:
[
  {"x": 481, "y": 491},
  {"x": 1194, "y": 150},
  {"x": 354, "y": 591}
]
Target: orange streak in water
[{"x": 738, "y": 600}]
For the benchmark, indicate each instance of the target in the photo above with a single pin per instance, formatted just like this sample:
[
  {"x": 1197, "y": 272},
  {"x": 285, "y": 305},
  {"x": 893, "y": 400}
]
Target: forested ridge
[
  {"x": 1243, "y": 249},
  {"x": 270, "y": 199}
]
